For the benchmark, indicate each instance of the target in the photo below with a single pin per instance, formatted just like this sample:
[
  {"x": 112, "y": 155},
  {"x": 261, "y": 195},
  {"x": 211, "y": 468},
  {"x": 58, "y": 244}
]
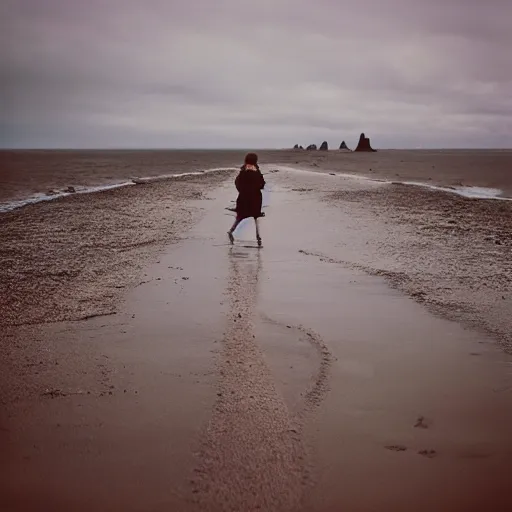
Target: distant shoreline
[
  {"x": 33, "y": 174},
  {"x": 7, "y": 149}
]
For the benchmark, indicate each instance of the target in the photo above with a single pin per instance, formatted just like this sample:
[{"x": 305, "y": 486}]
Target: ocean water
[
  {"x": 40, "y": 175},
  {"x": 32, "y": 176}
]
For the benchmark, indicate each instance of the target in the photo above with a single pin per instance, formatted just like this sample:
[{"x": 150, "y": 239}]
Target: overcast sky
[{"x": 255, "y": 73}]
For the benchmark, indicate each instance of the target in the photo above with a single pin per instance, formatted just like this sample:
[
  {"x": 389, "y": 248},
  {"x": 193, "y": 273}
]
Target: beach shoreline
[
  {"x": 73, "y": 258},
  {"x": 450, "y": 253},
  {"x": 32, "y": 176},
  {"x": 297, "y": 339}
]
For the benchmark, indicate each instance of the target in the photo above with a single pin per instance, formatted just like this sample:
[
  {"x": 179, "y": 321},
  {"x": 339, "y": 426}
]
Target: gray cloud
[{"x": 238, "y": 73}]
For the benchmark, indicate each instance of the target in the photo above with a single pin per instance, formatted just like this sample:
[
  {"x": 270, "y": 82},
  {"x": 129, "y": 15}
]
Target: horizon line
[{"x": 248, "y": 148}]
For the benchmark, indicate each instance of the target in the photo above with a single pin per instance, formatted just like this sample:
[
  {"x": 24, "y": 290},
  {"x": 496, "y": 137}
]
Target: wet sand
[
  {"x": 288, "y": 378},
  {"x": 72, "y": 258},
  {"x": 449, "y": 253}
]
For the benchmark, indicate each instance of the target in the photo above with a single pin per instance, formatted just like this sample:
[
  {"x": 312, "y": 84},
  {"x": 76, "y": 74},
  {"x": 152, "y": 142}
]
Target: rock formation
[
  {"x": 296, "y": 146},
  {"x": 324, "y": 146},
  {"x": 344, "y": 146},
  {"x": 311, "y": 147},
  {"x": 364, "y": 144}
]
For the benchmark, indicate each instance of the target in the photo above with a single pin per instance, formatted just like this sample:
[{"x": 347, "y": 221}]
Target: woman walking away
[{"x": 249, "y": 184}]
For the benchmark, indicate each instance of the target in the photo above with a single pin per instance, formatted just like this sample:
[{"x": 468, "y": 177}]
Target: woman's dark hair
[{"x": 251, "y": 159}]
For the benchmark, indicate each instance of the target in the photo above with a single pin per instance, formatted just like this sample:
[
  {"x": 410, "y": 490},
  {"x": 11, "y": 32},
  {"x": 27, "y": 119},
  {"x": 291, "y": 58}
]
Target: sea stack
[
  {"x": 311, "y": 147},
  {"x": 344, "y": 146},
  {"x": 324, "y": 146},
  {"x": 364, "y": 144},
  {"x": 296, "y": 146}
]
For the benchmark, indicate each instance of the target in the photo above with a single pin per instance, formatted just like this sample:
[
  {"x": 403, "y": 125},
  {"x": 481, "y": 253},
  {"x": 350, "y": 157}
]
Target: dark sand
[
  {"x": 72, "y": 258},
  {"x": 280, "y": 379}
]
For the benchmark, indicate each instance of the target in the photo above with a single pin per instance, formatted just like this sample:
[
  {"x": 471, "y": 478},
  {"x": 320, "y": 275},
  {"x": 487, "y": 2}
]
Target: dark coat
[{"x": 249, "y": 184}]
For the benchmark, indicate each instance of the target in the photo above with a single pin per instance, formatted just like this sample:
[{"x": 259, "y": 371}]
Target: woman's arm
[{"x": 262, "y": 181}]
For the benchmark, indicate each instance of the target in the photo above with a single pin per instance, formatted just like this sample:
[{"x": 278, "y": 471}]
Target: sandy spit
[
  {"x": 449, "y": 253},
  {"x": 73, "y": 258},
  {"x": 452, "y": 254},
  {"x": 273, "y": 379}
]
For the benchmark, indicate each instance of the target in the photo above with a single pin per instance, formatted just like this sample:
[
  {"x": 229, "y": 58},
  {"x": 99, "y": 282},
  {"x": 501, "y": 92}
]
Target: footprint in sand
[
  {"x": 428, "y": 453},
  {"x": 396, "y": 448},
  {"x": 421, "y": 422}
]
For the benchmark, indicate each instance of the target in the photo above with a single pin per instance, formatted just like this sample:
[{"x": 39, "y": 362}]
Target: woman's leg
[
  {"x": 233, "y": 227},
  {"x": 257, "y": 230}
]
